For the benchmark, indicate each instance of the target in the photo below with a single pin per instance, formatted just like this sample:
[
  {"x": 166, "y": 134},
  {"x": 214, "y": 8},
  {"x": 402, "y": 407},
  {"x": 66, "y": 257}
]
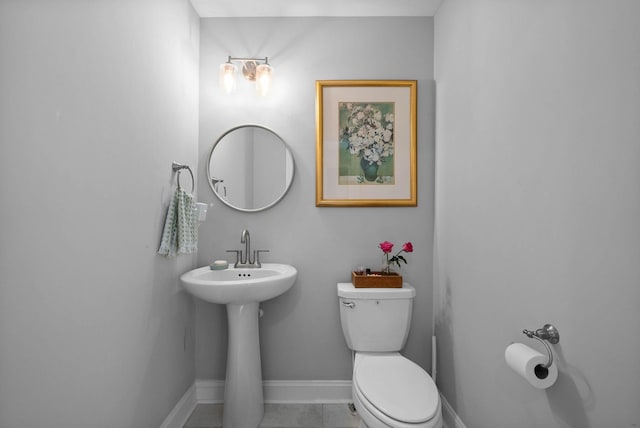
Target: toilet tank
[{"x": 375, "y": 319}]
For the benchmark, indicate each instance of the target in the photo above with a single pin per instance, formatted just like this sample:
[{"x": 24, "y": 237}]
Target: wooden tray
[{"x": 376, "y": 280}]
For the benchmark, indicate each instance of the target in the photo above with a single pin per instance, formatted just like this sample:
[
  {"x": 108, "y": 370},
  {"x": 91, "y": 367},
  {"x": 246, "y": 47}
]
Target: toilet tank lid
[{"x": 347, "y": 289}]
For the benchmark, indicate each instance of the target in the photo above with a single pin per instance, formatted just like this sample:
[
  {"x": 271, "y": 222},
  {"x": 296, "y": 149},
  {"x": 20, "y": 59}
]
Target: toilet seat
[{"x": 396, "y": 388}]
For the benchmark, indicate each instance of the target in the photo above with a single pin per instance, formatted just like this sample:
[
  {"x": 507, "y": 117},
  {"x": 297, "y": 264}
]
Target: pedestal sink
[{"x": 241, "y": 290}]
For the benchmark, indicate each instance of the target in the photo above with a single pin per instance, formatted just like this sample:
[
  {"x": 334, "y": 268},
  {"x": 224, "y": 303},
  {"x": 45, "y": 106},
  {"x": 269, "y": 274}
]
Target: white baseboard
[
  {"x": 307, "y": 391},
  {"x": 209, "y": 391},
  {"x": 182, "y": 410},
  {"x": 449, "y": 416},
  {"x": 275, "y": 391}
]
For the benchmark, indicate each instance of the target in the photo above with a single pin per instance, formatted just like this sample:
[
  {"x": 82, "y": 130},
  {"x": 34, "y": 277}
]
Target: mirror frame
[{"x": 287, "y": 149}]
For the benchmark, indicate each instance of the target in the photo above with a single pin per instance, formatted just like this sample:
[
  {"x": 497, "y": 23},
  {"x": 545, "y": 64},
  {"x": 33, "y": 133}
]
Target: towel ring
[{"x": 175, "y": 166}]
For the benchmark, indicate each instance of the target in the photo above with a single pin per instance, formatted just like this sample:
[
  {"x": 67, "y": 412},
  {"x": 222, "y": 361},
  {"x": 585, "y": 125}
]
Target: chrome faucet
[
  {"x": 247, "y": 259},
  {"x": 246, "y": 240}
]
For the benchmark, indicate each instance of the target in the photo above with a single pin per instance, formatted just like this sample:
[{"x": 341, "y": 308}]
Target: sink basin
[
  {"x": 240, "y": 285},
  {"x": 241, "y": 290}
]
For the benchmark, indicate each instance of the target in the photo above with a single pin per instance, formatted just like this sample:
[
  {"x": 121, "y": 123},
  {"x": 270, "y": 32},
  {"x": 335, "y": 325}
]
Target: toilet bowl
[{"x": 388, "y": 389}]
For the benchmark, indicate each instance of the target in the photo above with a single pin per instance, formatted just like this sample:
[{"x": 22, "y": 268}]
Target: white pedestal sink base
[
  {"x": 241, "y": 290},
  {"x": 243, "y": 396}
]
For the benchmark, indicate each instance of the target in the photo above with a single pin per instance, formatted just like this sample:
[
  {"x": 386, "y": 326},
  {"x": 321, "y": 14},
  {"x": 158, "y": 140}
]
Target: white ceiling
[{"x": 288, "y": 8}]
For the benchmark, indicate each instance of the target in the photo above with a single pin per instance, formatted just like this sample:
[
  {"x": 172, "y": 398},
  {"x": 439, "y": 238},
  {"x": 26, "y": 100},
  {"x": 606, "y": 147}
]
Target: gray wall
[
  {"x": 538, "y": 169},
  {"x": 96, "y": 100},
  {"x": 301, "y": 336}
]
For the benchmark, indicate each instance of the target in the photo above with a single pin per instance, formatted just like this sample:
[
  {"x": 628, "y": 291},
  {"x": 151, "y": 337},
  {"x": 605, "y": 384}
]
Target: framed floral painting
[{"x": 366, "y": 133}]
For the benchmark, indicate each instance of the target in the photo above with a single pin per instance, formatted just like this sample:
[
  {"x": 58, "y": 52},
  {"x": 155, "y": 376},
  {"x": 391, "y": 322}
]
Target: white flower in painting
[{"x": 368, "y": 134}]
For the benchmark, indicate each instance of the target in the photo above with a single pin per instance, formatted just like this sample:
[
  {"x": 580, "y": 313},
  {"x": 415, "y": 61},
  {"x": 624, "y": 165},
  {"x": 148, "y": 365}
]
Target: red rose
[
  {"x": 386, "y": 247},
  {"x": 407, "y": 247}
]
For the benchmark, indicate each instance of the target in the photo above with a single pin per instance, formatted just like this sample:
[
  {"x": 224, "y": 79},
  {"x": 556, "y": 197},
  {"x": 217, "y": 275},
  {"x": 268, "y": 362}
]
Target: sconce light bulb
[
  {"x": 264, "y": 74},
  {"x": 228, "y": 77}
]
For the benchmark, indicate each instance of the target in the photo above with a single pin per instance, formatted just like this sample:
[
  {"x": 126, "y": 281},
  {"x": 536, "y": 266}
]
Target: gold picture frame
[{"x": 366, "y": 143}]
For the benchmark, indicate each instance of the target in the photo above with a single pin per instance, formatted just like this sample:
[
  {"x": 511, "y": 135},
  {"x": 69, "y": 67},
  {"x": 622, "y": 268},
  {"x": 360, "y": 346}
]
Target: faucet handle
[
  {"x": 256, "y": 254},
  {"x": 238, "y": 252}
]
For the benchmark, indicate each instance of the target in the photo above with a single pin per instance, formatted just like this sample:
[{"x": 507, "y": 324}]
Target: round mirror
[{"x": 250, "y": 168}]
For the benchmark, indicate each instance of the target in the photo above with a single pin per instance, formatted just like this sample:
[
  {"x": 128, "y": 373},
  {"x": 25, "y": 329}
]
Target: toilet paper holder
[{"x": 548, "y": 333}]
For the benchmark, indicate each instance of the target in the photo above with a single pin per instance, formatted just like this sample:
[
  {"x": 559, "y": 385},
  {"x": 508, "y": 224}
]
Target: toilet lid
[{"x": 397, "y": 387}]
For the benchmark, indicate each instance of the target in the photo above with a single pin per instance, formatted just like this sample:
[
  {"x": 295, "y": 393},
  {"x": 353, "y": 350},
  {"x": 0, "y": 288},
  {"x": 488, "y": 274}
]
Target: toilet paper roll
[{"x": 528, "y": 362}]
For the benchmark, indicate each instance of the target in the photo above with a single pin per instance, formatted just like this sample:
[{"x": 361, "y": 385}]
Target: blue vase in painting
[{"x": 369, "y": 169}]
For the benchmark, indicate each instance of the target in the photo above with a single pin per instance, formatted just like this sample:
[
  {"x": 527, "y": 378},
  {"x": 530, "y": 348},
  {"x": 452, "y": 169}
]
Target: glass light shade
[
  {"x": 228, "y": 77},
  {"x": 264, "y": 74}
]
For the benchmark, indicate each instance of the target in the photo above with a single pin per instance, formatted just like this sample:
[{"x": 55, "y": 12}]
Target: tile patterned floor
[{"x": 282, "y": 416}]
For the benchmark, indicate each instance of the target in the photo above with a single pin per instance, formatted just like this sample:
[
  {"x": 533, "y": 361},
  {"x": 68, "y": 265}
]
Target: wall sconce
[{"x": 254, "y": 69}]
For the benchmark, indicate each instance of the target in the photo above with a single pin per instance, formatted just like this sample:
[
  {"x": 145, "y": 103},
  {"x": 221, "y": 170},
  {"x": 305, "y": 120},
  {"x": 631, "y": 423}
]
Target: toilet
[{"x": 389, "y": 390}]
